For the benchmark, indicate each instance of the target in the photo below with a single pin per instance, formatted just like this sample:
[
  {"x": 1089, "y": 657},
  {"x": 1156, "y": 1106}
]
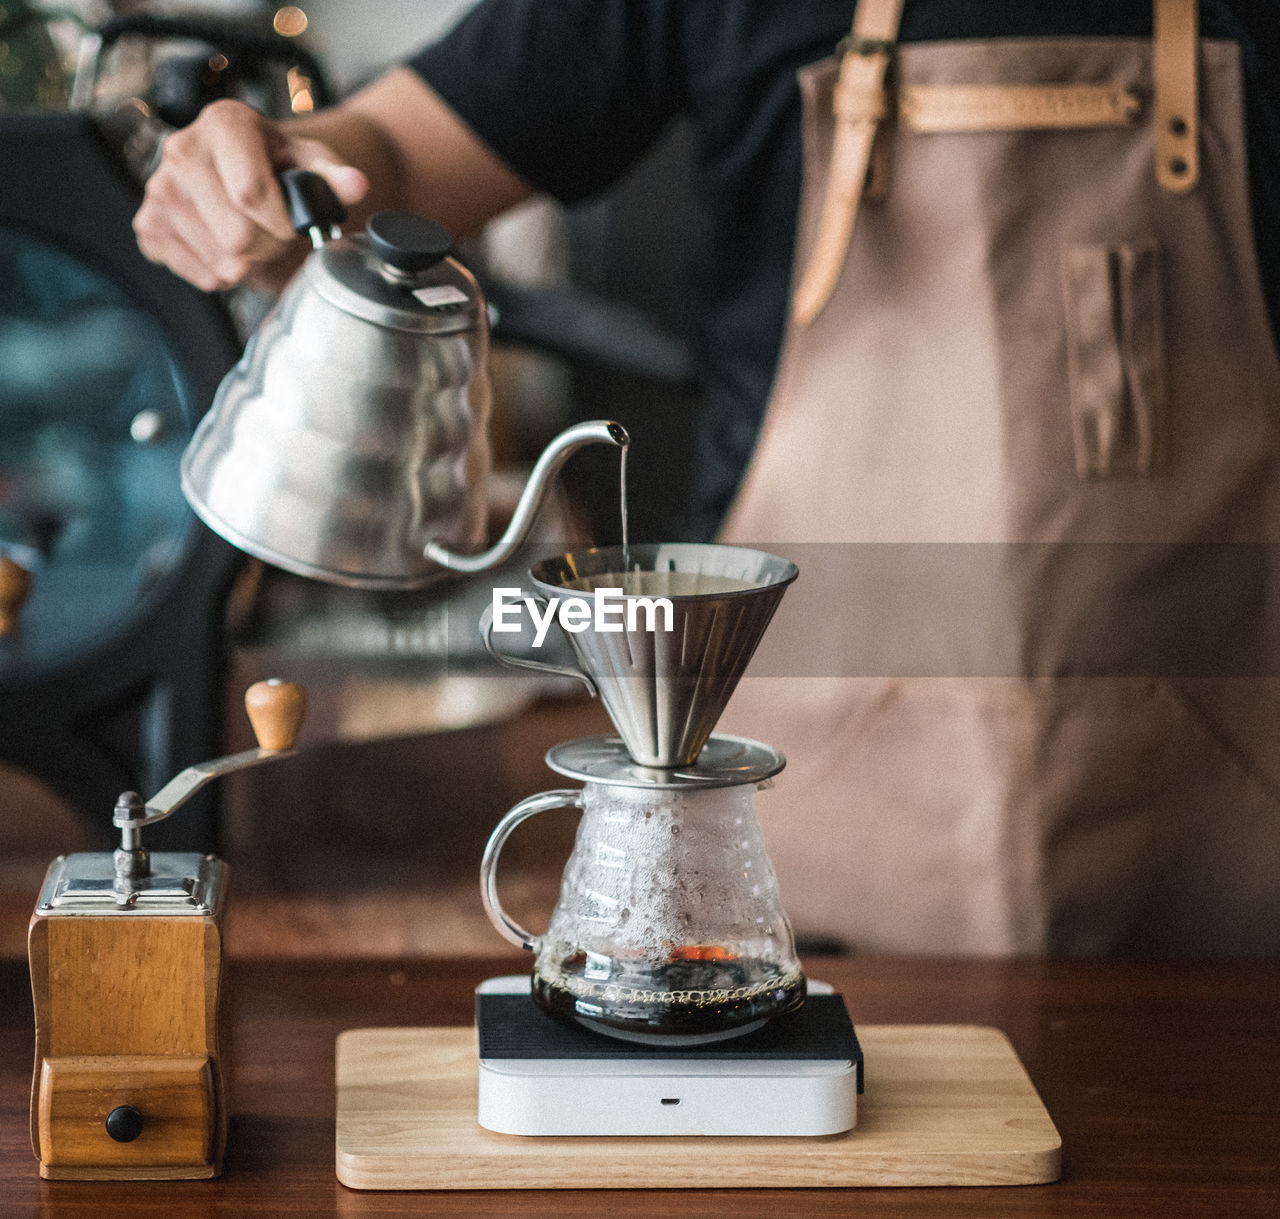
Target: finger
[
  {"x": 241, "y": 148},
  {"x": 186, "y": 260},
  {"x": 225, "y": 155},
  {"x": 172, "y": 232},
  {"x": 188, "y": 192},
  {"x": 171, "y": 250}
]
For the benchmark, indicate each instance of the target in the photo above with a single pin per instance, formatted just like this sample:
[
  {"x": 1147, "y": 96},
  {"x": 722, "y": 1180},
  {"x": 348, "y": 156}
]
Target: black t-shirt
[{"x": 571, "y": 93}]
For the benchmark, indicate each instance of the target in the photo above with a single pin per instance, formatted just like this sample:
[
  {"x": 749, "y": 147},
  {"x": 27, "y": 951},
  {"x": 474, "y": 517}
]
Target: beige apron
[{"x": 1023, "y": 445}]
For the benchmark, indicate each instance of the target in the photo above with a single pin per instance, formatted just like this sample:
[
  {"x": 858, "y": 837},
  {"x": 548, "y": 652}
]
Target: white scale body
[{"x": 650, "y": 1093}]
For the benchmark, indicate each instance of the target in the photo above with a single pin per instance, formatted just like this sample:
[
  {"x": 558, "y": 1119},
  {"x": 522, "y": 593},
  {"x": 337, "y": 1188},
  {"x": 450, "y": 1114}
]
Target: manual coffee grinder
[
  {"x": 669, "y": 935},
  {"x": 126, "y": 960}
]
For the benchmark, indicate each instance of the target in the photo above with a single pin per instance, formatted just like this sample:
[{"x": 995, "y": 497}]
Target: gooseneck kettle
[{"x": 350, "y": 443}]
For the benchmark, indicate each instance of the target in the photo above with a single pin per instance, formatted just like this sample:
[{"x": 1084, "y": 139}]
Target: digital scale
[{"x": 798, "y": 1075}]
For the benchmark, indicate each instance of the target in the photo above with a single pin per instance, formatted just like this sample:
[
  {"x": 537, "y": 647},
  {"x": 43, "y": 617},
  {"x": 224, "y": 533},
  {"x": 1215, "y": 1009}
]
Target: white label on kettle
[{"x": 440, "y": 296}]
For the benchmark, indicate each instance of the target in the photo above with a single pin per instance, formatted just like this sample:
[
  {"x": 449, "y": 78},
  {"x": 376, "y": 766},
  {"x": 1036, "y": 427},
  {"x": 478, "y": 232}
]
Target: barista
[{"x": 1028, "y": 342}]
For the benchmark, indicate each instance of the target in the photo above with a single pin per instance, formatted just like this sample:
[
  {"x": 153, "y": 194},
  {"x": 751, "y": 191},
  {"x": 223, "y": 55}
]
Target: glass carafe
[{"x": 669, "y": 928}]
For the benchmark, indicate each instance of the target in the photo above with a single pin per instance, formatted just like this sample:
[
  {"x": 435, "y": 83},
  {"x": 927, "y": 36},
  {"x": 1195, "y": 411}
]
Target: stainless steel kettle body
[{"x": 350, "y": 443}]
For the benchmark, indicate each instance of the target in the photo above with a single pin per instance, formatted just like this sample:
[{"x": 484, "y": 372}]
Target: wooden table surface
[{"x": 1163, "y": 1079}]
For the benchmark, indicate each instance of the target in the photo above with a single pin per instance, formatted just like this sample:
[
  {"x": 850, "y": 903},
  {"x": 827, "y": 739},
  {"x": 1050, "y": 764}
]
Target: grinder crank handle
[
  {"x": 15, "y": 588},
  {"x": 567, "y": 797},
  {"x": 276, "y": 710}
]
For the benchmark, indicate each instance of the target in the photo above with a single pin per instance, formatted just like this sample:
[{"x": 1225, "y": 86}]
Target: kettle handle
[
  {"x": 567, "y": 797},
  {"x": 522, "y": 662},
  {"x": 313, "y": 207}
]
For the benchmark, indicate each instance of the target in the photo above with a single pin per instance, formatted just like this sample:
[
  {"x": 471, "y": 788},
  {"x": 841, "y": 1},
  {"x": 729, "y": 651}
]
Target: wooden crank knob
[
  {"x": 276, "y": 710},
  {"x": 15, "y": 588}
]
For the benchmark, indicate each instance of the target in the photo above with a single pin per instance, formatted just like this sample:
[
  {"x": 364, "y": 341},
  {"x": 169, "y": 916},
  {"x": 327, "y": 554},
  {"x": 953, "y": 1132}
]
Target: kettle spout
[{"x": 595, "y": 431}]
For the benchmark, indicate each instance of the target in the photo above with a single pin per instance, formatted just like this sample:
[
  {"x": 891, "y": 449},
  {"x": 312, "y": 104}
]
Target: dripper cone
[{"x": 665, "y": 690}]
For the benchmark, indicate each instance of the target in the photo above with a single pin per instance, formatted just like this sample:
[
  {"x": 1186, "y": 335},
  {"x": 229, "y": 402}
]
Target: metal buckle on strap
[{"x": 851, "y": 44}]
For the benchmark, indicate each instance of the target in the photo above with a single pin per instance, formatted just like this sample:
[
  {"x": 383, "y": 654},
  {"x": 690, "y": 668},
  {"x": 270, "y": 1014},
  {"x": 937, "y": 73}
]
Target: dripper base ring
[{"x": 725, "y": 761}]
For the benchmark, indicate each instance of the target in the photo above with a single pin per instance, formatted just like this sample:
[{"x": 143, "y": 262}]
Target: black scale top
[{"x": 514, "y": 1027}]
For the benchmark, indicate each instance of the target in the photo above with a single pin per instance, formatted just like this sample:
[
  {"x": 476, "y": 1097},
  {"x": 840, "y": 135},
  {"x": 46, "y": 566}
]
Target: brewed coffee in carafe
[{"x": 669, "y": 927}]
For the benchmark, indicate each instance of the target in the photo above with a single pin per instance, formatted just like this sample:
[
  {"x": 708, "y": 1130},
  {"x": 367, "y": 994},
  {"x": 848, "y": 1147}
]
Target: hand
[{"x": 213, "y": 212}]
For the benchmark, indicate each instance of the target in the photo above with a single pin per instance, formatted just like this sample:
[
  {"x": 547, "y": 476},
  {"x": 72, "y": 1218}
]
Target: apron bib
[{"x": 1024, "y": 451}]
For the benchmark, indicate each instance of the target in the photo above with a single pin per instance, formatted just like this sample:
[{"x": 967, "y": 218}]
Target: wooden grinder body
[{"x": 126, "y": 1010}]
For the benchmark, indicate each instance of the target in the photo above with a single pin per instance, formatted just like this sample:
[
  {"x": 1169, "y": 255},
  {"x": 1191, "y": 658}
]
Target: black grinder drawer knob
[{"x": 124, "y": 1123}]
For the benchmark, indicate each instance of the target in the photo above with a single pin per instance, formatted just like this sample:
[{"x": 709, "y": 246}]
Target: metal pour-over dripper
[{"x": 666, "y": 689}]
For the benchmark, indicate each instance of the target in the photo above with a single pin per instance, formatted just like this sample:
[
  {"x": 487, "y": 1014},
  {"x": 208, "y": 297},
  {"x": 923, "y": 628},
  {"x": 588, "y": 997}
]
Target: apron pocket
[{"x": 1115, "y": 357}]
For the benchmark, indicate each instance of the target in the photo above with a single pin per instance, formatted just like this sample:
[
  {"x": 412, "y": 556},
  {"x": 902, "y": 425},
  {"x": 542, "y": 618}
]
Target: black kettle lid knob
[{"x": 408, "y": 242}]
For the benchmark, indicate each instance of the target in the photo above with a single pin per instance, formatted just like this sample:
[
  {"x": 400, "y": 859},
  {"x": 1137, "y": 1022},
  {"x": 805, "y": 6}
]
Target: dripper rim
[{"x": 789, "y": 570}]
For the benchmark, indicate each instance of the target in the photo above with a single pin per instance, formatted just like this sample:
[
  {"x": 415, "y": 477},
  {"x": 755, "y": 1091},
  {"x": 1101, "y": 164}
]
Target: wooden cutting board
[{"x": 944, "y": 1105}]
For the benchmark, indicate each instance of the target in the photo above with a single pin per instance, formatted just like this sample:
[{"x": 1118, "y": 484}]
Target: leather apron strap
[
  {"x": 1177, "y": 108},
  {"x": 861, "y": 104}
]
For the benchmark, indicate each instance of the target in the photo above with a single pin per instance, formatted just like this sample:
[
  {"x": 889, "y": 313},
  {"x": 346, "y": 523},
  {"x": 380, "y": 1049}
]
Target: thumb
[{"x": 349, "y": 183}]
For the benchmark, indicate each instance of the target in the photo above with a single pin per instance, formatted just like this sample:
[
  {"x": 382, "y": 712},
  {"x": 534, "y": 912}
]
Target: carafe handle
[
  {"x": 522, "y": 662},
  {"x": 568, "y": 797}
]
